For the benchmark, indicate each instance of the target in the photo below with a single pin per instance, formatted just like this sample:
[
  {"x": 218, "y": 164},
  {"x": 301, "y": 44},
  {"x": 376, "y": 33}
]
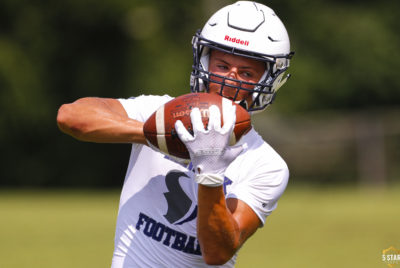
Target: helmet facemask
[{"x": 262, "y": 92}]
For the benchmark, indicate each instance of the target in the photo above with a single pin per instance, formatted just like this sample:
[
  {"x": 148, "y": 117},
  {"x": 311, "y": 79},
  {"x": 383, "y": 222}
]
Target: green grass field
[{"x": 312, "y": 227}]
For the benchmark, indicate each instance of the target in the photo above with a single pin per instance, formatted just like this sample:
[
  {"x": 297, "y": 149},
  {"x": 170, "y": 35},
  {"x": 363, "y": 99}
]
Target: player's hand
[{"x": 209, "y": 149}]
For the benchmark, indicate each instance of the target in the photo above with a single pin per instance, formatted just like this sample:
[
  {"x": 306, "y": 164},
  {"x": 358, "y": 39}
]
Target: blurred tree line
[{"x": 53, "y": 52}]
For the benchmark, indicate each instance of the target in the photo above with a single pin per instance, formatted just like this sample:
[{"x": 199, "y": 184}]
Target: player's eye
[
  {"x": 222, "y": 67},
  {"x": 247, "y": 74}
]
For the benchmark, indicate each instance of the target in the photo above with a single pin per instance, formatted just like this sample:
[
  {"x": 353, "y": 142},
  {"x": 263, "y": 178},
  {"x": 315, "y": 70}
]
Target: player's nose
[{"x": 233, "y": 74}]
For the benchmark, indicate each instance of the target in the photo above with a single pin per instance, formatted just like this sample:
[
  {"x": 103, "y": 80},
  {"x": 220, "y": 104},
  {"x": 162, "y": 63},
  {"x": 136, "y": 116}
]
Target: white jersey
[{"x": 156, "y": 225}]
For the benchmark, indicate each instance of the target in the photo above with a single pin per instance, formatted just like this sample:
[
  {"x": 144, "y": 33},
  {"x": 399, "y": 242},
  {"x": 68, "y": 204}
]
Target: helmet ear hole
[{"x": 281, "y": 63}]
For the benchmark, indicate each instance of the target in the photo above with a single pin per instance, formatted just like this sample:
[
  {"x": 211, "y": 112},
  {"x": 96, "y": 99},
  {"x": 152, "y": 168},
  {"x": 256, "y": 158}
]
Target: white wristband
[{"x": 210, "y": 180}]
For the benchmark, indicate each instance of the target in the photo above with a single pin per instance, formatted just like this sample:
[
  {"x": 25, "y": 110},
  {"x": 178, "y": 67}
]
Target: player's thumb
[
  {"x": 182, "y": 132},
  {"x": 234, "y": 151}
]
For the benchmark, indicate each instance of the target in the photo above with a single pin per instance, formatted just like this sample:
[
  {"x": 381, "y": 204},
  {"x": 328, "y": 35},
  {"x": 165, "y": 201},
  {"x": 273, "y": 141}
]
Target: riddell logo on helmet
[{"x": 236, "y": 40}]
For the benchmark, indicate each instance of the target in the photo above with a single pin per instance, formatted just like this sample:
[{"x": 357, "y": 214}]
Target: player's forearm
[
  {"x": 99, "y": 120},
  {"x": 217, "y": 230}
]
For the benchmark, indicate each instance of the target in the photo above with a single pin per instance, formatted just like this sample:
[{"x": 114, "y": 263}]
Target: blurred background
[{"x": 335, "y": 122}]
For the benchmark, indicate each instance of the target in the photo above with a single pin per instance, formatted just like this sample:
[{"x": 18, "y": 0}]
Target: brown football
[{"x": 159, "y": 129}]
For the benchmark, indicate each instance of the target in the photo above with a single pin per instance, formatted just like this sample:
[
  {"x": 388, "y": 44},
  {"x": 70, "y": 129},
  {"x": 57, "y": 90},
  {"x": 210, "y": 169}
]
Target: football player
[{"x": 197, "y": 215}]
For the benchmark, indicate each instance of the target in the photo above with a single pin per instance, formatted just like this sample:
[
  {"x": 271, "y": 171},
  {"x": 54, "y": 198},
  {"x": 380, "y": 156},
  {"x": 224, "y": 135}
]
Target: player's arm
[
  {"x": 99, "y": 120},
  {"x": 222, "y": 225}
]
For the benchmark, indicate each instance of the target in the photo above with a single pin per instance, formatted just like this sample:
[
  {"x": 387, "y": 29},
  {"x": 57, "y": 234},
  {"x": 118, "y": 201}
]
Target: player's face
[{"x": 235, "y": 67}]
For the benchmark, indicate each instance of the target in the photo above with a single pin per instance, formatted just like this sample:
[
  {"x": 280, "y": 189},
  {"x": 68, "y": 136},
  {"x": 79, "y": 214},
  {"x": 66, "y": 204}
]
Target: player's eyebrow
[
  {"x": 223, "y": 61},
  {"x": 227, "y": 63}
]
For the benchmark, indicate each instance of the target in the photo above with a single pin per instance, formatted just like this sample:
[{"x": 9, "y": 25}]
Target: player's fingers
[
  {"x": 214, "y": 116},
  {"x": 197, "y": 123},
  {"x": 182, "y": 132},
  {"x": 229, "y": 119}
]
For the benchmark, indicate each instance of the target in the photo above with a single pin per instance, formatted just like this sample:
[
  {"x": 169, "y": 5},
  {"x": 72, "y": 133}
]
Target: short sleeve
[
  {"x": 142, "y": 107},
  {"x": 262, "y": 191},
  {"x": 258, "y": 176}
]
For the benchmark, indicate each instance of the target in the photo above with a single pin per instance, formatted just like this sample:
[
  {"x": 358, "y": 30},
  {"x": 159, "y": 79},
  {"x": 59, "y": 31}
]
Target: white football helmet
[{"x": 246, "y": 29}]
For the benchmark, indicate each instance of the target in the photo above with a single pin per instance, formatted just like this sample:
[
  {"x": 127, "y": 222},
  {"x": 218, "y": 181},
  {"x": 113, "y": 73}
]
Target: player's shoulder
[
  {"x": 259, "y": 149},
  {"x": 259, "y": 169},
  {"x": 260, "y": 157}
]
